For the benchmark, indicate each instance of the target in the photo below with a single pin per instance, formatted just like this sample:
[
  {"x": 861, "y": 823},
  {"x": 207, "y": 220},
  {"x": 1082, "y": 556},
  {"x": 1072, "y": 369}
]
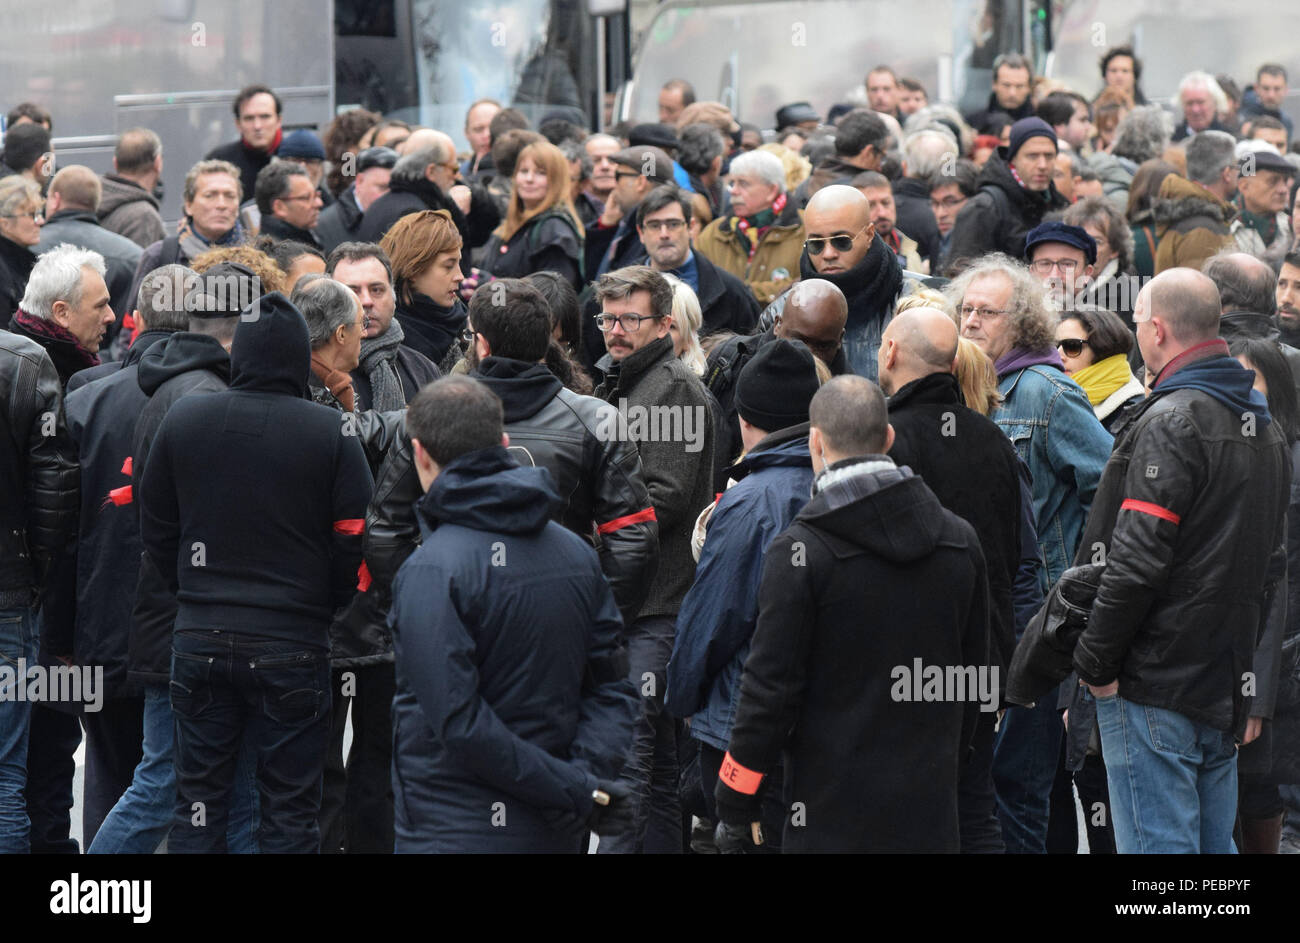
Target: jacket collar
[
  {"x": 74, "y": 215},
  {"x": 629, "y": 371},
  {"x": 1202, "y": 351},
  {"x": 772, "y": 442},
  {"x": 939, "y": 388}
]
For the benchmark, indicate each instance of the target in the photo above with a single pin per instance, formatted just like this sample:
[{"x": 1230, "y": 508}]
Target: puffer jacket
[
  {"x": 595, "y": 470},
  {"x": 775, "y": 262},
  {"x": 512, "y": 702},
  {"x": 1190, "y": 512},
  {"x": 1000, "y": 214},
  {"x": 718, "y": 615},
  {"x": 1192, "y": 224},
  {"x": 38, "y": 471}
]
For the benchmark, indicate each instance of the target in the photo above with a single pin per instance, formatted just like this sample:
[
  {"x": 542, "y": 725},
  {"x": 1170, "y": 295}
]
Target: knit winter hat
[
  {"x": 1027, "y": 128},
  {"x": 776, "y": 387}
]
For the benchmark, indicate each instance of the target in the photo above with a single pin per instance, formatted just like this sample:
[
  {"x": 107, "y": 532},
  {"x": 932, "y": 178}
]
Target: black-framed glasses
[
  {"x": 624, "y": 176},
  {"x": 468, "y": 335},
  {"x": 840, "y": 243},
  {"x": 630, "y": 323},
  {"x": 1072, "y": 346}
]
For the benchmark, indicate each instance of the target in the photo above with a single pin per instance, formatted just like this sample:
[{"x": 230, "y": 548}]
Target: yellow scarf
[{"x": 1104, "y": 377}]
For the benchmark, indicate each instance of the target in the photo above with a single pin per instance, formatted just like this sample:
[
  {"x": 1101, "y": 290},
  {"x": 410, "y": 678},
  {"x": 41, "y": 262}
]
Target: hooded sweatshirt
[{"x": 254, "y": 498}]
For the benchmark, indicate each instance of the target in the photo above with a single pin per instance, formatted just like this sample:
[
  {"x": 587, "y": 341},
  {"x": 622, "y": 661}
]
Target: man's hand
[
  {"x": 612, "y": 215},
  {"x": 1105, "y": 690},
  {"x": 1254, "y": 726}
]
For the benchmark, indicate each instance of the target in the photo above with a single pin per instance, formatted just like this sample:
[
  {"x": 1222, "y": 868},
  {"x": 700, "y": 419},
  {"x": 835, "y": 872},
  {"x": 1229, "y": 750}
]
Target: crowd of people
[{"x": 877, "y": 483}]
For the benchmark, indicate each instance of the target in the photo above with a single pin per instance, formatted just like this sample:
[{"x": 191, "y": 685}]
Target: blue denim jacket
[{"x": 1048, "y": 418}]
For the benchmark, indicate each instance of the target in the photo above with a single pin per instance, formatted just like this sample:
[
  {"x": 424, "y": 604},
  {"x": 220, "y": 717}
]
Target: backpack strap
[
  {"x": 1151, "y": 243},
  {"x": 170, "y": 253}
]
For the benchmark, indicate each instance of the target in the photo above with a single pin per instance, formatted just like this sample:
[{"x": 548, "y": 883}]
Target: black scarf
[{"x": 870, "y": 287}]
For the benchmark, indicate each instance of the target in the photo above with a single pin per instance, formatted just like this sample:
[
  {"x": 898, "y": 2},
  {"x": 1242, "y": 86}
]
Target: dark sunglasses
[
  {"x": 1072, "y": 346},
  {"x": 817, "y": 245}
]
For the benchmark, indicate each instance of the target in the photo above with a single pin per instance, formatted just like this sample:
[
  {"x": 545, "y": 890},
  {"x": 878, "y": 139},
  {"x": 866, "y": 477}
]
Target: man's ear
[
  {"x": 505, "y": 440},
  {"x": 814, "y": 441},
  {"x": 481, "y": 347},
  {"x": 59, "y": 313},
  {"x": 889, "y": 438}
]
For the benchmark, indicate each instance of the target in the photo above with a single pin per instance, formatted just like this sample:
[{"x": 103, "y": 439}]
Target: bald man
[
  {"x": 842, "y": 248},
  {"x": 71, "y": 216},
  {"x": 973, "y": 469},
  {"x": 1190, "y": 515},
  {"x": 814, "y": 314}
]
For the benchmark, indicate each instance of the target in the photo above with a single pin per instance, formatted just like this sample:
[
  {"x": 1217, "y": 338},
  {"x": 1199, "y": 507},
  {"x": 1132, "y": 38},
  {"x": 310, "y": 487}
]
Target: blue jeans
[
  {"x": 1025, "y": 756},
  {"x": 1173, "y": 782},
  {"x": 17, "y": 640},
  {"x": 141, "y": 819},
  {"x": 227, "y": 690},
  {"x": 654, "y": 825}
]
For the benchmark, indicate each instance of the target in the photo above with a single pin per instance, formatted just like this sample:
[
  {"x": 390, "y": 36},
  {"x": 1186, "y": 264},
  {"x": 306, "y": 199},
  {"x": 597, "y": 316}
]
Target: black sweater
[{"x": 253, "y": 498}]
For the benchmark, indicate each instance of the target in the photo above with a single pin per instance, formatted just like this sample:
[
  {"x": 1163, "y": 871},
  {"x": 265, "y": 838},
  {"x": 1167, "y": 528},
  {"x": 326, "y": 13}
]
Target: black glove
[
  {"x": 735, "y": 839},
  {"x": 617, "y": 816}
]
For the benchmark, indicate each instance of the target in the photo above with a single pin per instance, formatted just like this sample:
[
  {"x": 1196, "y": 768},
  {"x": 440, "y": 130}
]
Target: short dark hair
[
  {"x": 912, "y": 85},
  {"x": 859, "y": 128},
  {"x": 624, "y": 282},
  {"x": 357, "y": 252},
  {"x": 559, "y": 130},
  {"x": 513, "y": 317},
  {"x": 31, "y": 111},
  {"x": 1271, "y": 68},
  {"x": 964, "y": 173},
  {"x": 1115, "y": 52},
  {"x": 661, "y": 196},
  {"x": 1013, "y": 60},
  {"x": 1242, "y": 287},
  {"x": 507, "y": 119},
  {"x": 1267, "y": 122},
  {"x": 1107, "y": 334},
  {"x": 25, "y": 144},
  {"x": 1292, "y": 258},
  {"x": 248, "y": 91},
  {"x": 683, "y": 86},
  {"x": 1056, "y": 108},
  {"x": 566, "y": 313},
  {"x": 286, "y": 251},
  {"x": 273, "y": 183},
  {"x": 454, "y": 416},
  {"x": 851, "y": 414}
]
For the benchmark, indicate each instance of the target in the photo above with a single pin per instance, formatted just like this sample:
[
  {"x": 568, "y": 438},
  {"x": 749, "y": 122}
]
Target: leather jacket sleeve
[
  {"x": 625, "y": 521},
  {"x": 54, "y": 476},
  {"x": 377, "y": 432},
  {"x": 1142, "y": 546},
  {"x": 392, "y": 532}
]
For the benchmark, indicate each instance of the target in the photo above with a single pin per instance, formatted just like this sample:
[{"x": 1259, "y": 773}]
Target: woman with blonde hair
[
  {"x": 685, "y": 326},
  {"x": 424, "y": 249},
  {"x": 541, "y": 231},
  {"x": 977, "y": 378}
]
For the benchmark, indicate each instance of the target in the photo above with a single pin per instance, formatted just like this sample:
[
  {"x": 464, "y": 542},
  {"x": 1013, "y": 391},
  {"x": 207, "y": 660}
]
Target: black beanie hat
[
  {"x": 1027, "y": 128},
  {"x": 777, "y": 385}
]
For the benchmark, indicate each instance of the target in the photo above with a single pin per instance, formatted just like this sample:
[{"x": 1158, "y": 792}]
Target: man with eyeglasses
[
  {"x": 289, "y": 203},
  {"x": 613, "y": 243},
  {"x": 1004, "y": 311},
  {"x": 664, "y": 227},
  {"x": 1062, "y": 256},
  {"x": 948, "y": 194},
  {"x": 671, "y": 422}
]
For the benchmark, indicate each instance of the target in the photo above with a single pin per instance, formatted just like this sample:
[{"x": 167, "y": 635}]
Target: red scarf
[
  {"x": 275, "y": 144},
  {"x": 50, "y": 331}
]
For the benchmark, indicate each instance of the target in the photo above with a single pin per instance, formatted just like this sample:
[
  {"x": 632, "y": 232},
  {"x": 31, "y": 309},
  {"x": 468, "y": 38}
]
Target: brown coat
[
  {"x": 1192, "y": 224},
  {"x": 775, "y": 264}
]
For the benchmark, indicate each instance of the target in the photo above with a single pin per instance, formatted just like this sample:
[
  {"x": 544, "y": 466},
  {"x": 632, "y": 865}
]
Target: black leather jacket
[
  {"x": 38, "y": 470},
  {"x": 596, "y": 470}
]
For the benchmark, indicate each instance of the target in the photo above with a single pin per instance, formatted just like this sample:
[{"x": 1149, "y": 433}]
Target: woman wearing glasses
[
  {"x": 1094, "y": 347},
  {"x": 541, "y": 231},
  {"x": 20, "y": 229}
]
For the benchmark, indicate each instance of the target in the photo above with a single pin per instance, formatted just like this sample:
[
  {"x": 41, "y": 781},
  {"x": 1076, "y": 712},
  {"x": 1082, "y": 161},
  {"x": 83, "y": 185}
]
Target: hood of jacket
[
  {"x": 486, "y": 490},
  {"x": 1235, "y": 325},
  {"x": 870, "y": 287},
  {"x": 524, "y": 388},
  {"x": 1181, "y": 199},
  {"x": 272, "y": 351},
  {"x": 868, "y": 503},
  {"x": 181, "y": 353},
  {"x": 786, "y": 448},
  {"x": 1223, "y": 378},
  {"x": 118, "y": 191}
]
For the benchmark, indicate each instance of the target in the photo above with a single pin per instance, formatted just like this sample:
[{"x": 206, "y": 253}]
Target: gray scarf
[{"x": 377, "y": 356}]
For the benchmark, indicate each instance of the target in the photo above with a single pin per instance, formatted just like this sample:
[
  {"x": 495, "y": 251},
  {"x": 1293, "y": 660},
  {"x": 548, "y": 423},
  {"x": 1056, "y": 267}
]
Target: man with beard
[
  {"x": 1288, "y": 300},
  {"x": 843, "y": 248}
]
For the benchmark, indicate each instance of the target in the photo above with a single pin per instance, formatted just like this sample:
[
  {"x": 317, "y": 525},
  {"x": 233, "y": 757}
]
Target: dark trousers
[
  {"x": 51, "y": 741},
  {"x": 773, "y": 814},
  {"x": 357, "y": 802},
  {"x": 227, "y": 688},
  {"x": 977, "y": 817},
  {"x": 114, "y": 745},
  {"x": 654, "y": 826}
]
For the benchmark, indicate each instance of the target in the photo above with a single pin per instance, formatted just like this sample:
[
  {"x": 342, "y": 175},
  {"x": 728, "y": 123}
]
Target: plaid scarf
[
  {"x": 753, "y": 227},
  {"x": 50, "y": 331}
]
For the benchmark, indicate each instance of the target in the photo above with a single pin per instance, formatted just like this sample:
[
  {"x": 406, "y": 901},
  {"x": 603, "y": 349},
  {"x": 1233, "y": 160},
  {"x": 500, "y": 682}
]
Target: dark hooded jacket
[
  {"x": 339, "y": 222},
  {"x": 1191, "y": 510},
  {"x": 512, "y": 700},
  {"x": 405, "y": 197},
  {"x": 130, "y": 210},
  {"x": 174, "y": 367},
  {"x": 281, "y": 231},
  {"x": 978, "y": 119},
  {"x": 595, "y": 471},
  {"x": 873, "y": 583},
  {"x": 1192, "y": 224},
  {"x": 89, "y": 614},
  {"x": 277, "y": 560},
  {"x": 1000, "y": 214},
  {"x": 912, "y": 200}
]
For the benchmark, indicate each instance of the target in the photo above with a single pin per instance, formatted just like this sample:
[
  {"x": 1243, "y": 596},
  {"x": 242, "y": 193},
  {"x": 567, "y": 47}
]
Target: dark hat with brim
[
  {"x": 648, "y": 161},
  {"x": 1075, "y": 236}
]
